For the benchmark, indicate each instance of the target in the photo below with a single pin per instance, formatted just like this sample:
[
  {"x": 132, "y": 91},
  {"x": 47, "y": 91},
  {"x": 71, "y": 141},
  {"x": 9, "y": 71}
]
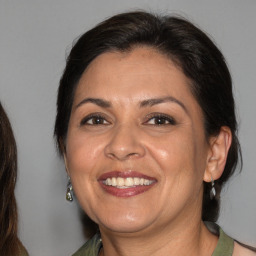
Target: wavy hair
[{"x": 10, "y": 244}]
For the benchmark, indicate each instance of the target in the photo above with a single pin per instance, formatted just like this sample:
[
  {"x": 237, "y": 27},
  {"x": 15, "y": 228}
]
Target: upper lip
[{"x": 124, "y": 174}]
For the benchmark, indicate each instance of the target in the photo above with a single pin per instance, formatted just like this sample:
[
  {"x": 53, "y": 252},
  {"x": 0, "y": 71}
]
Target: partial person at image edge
[{"x": 10, "y": 245}]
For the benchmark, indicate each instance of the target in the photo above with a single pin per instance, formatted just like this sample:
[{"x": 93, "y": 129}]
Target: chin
[
  {"x": 125, "y": 227},
  {"x": 128, "y": 223}
]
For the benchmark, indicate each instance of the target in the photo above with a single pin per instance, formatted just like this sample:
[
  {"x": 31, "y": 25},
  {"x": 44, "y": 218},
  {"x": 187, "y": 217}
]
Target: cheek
[
  {"x": 180, "y": 158},
  {"x": 81, "y": 153},
  {"x": 173, "y": 150}
]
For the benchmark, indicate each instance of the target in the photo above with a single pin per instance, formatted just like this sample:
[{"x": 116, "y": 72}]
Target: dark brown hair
[
  {"x": 189, "y": 48},
  {"x": 10, "y": 245}
]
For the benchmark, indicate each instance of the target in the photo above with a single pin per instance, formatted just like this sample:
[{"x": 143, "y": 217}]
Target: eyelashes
[
  {"x": 94, "y": 119},
  {"x": 159, "y": 119},
  {"x": 154, "y": 119}
]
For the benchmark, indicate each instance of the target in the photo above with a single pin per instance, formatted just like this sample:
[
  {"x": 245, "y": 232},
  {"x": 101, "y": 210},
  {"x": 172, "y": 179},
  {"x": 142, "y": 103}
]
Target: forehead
[
  {"x": 142, "y": 68},
  {"x": 137, "y": 60}
]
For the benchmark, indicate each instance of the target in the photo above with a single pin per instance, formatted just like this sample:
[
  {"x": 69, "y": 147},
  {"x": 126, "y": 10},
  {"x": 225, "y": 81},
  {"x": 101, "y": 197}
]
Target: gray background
[{"x": 36, "y": 35}]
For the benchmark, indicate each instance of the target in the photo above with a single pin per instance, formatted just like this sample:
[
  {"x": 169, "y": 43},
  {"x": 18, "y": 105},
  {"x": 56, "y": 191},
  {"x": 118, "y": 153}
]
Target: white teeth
[
  {"x": 120, "y": 182},
  {"x": 136, "y": 181},
  {"x": 146, "y": 182},
  {"x": 113, "y": 181},
  {"x": 127, "y": 182}
]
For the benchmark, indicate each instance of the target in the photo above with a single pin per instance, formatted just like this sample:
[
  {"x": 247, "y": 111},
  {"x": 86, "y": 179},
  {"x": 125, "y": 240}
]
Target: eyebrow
[
  {"x": 144, "y": 103},
  {"x": 155, "y": 101},
  {"x": 99, "y": 102}
]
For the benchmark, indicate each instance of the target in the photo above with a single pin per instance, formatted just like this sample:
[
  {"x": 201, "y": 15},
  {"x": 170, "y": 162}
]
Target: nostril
[
  {"x": 132, "y": 154},
  {"x": 122, "y": 156},
  {"x": 111, "y": 155}
]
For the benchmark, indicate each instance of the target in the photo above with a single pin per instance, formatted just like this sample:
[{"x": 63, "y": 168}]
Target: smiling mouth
[{"x": 126, "y": 184}]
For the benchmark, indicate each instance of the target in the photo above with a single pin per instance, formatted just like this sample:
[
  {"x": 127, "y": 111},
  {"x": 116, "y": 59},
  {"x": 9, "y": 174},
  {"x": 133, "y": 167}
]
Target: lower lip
[{"x": 126, "y": 192}]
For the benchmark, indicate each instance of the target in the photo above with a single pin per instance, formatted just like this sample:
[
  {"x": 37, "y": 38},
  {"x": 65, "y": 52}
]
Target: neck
[{"x": 193, "y": 238}]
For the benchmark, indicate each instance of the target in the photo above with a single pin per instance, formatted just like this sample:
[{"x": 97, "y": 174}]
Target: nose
[{"x": 125, "y": 143}]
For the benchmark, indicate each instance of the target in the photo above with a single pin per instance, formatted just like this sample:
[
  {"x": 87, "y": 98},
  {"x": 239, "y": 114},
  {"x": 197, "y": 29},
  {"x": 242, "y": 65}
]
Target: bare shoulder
[{"x": 240, "y": 250}]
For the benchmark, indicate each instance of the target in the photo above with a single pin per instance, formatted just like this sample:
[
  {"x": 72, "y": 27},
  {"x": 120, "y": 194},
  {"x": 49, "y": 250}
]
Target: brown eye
[
  {"x": 94, "y": 120},
  {"x": 160, "y": 119}
]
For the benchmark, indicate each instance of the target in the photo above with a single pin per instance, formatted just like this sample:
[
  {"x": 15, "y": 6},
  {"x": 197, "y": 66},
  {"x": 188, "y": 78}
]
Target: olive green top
[
  {"x": 91, "y": 247},
  {"x": 224, "y": 246}
]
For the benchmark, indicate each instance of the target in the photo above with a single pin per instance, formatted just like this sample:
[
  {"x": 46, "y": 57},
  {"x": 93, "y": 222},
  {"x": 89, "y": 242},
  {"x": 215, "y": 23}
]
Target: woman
[
  {"x": 10, "y": 245},
  {"x": 147, "y": 127}
]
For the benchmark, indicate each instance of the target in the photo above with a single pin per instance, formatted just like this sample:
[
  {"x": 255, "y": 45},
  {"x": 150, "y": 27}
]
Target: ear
[{"x": 218, "y": 152}]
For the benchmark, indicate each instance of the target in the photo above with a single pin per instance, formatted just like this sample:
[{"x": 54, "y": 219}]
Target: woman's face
[{"x": 136, "y": 150}]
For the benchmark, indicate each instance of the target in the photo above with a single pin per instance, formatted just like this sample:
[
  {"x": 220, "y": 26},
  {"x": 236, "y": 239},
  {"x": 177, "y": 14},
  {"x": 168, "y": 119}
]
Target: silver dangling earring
[
  {"x": 69, "y": 194},
  {"x": 213, "y": 191}
]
